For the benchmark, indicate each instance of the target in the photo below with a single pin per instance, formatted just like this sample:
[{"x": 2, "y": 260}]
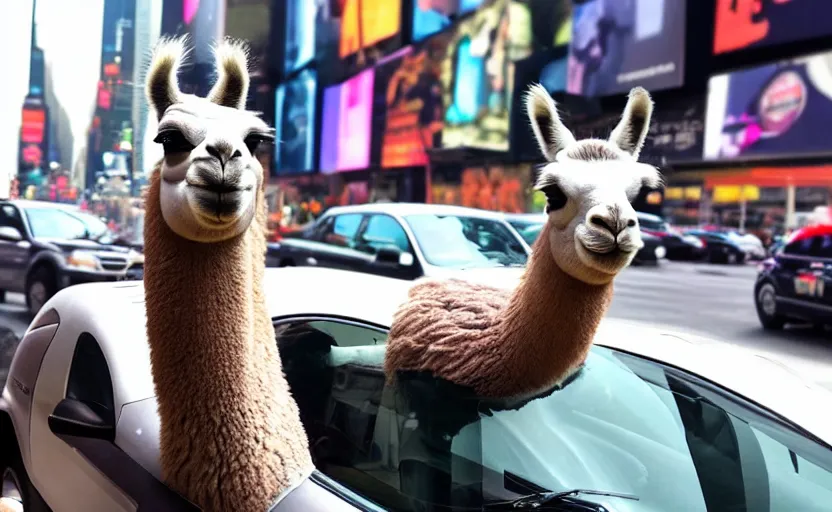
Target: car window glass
[
  {"x": 464, "y": 242},
  {"x": 623, "y": 424},
  {"x": 799, "y": 247},
  {"x": 10, "y": 217},
  {"x": 342, "y": 230},
  {"x": 383, "y": 230},
  {"x": 54, "y": 223}
]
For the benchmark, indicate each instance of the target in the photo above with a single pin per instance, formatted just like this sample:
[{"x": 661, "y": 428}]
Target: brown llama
[
  {"x": 518, "y": 343},
  {"x": 231, "y": 436}
]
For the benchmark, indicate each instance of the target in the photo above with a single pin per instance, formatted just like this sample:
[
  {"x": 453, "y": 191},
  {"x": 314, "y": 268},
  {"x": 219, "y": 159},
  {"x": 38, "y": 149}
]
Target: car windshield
[
  {"x": 56, "y": 223},
  {"x": 529, "y": 229},
  {"x": 624, "y": 425},
  {"x": 653, "y": 225},
  {"x": 454, "y": 241},
  {"x": 96, "y": 228}
]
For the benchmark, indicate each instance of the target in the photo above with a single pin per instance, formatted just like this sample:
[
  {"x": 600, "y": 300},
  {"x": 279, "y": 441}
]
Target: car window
[
  {"x": 54, "y": 223},
  {"x": 799, "y": 247},
  {"x": 10, "y": 217},
  {"x": 654, "y": 225},
  {"x": 89, "y": 378},
  {"x": 463, "y": 242},
  {"x": 623, "y": 424},
  {"x": 824, "y": 247},
  {"x": 383, "y": 230},
  {"x": 96, "y": 228},
  {"x": 342, "y": 230}
]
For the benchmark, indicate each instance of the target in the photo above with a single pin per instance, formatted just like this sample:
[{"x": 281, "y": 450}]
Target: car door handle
[{"x": 311, "y": 261}]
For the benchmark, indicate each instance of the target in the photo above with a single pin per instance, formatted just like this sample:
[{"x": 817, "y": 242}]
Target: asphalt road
[{"x": 714, "y": 301}]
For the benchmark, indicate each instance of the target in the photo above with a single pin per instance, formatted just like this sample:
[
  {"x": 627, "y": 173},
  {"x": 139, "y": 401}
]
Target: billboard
[
  {"x": 432, "y": 16},
  {"x": 409, "y": 95},
  {"x": 367, "y": 22},
  {"x": 538, "y": 25},
  {"x": 477, "y": 81},
  {"x": 619, "y": 44},
  {"x": 346, "y": 125},
  {"x": 502, "y": 188},
  {"x": 299, "y": 34},
  {"x": 743, "y": 24},
  {"x": 295, "y": 124},
  {"x": 766, "y": 110}
]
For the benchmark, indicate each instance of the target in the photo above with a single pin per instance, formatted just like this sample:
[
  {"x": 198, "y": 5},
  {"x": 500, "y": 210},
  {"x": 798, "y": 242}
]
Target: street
[{"x": 714, "y": 301}]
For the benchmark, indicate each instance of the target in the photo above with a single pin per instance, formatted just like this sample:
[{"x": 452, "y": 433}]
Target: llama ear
[
  {"x": 631, "y": 131},
  {"x": 162, "y": 86},
  {"x": 549, "y": 184},
  {"x": 552, "y": 136},
  {"x": 652, "y": 178},
  {"x": 231, "y": 89}
]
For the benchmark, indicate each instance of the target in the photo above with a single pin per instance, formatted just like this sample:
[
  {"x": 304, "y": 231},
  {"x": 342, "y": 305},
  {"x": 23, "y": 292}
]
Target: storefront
[{"x": 497, "y": 187}]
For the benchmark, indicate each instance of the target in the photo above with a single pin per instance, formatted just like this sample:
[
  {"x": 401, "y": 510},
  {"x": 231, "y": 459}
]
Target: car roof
[
  {"x": 114, "y": 314},
  {"x": 29, "y": 203},
  {"x": 403, "y": 209},
  {"x": 649, "y": 216},
  {"x": 531, "y": 217},
  {"x": 810, "y": 232}
]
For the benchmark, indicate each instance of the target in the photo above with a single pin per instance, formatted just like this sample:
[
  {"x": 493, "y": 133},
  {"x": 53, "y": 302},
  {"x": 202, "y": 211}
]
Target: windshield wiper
[{"x": 539, "y": 499}]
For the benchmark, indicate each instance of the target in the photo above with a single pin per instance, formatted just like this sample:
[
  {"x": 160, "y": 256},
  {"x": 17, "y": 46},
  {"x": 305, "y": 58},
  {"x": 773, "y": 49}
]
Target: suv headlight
[{"x": 82, "y": 260}]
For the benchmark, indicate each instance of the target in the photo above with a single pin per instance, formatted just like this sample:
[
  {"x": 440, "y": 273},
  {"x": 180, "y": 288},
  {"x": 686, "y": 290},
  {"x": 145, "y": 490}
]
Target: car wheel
[
  {"x": 766, "y": 302},
  {"x": 17, "y": 492},
  {"x": 731, "y": 258},
  {"x": 40, "y": 288}
]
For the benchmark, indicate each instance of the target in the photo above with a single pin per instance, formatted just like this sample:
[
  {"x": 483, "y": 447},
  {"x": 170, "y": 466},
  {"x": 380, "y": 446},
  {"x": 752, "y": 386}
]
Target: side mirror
[
  {"x": 10, "y": 234},
  {"x": 388, "y": 254},
  {"x": 75, "y": 418}
]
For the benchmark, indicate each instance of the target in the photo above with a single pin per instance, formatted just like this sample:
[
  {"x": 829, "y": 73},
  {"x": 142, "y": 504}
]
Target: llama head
[
  {"x": 210, "y": 177},
  {"x": 589, "y": 184}
]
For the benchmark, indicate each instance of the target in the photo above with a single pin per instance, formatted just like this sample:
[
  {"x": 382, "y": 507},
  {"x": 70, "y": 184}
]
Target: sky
[{"x": 69, "y": 31}]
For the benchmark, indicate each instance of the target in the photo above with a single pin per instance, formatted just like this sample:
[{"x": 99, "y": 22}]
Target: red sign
[
  {"x": 111, "y": 69},
  {"x": 33, "y": 126},
  {"x": 32, "y": 154}
]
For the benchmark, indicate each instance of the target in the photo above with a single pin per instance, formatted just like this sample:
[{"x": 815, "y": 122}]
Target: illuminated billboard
[
  {"x": 295, "y": 124},
  {"x": 367, "y": 22},
  {"x": 346, "y": 128}
]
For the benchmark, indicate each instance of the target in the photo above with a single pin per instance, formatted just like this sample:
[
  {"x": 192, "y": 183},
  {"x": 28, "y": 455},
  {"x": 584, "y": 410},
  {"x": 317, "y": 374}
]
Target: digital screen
[
  {"x": 299, "y": 34},
  {"x": 33, "y": 126},
  {"x": 294, "y": 122},
  {"x": 346, "y": 126},
  {"x": 477, "y": 81},
  {"x": 412, "y": 93},
  {"x": 367, "y": 22},
  {"x": 495, "y": 188},
  {"x": 765, "y": 110},
  {"x": 741, "y": 24},
  {"x": 536, "y": 25},
  {"x": 189, "y": 8},
  {"x": 432, "y": 16},
  {"x": 617, "y": 45}
]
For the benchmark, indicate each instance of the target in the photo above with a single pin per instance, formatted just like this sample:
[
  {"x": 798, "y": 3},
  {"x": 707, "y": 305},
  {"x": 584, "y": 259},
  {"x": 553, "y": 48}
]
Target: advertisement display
[
  {"x": 743, "y": 24},
  {"x": 477, "y": 81},
  {"x": 367, "y": 22},
  {"x": 432, "y": 16},
  {"x": 299, "y": 34},
  {"x": 411, "y": 91},
  {"x": 294, "y": 122},
  {"x": 619, "y": 44},
  {"x": 776, "y": 109},
  {"x": 496, "y": 188},
  {"x": 33, "y": 126},
  {"x": 537, "y": 25},
  {"x": 347, "y": 122}
]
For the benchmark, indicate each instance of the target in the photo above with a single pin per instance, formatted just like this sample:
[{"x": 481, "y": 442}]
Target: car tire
[
  {"x": 18, "y": 493},
  {"x": 765, "y": 300},
  {"x": 40, "y": 287}
]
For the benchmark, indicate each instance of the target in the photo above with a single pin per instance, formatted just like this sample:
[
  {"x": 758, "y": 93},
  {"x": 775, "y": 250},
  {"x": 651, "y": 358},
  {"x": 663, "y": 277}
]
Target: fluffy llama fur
[
  {"x": 231, "y": 436},
  {"x": 498, "y": 342}
]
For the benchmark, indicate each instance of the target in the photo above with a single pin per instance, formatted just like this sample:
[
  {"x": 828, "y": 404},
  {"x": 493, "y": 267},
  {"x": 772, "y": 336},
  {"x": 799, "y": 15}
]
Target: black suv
[
  {"x": 45, "y": 247},
  {"x": 792, "y": 284}
]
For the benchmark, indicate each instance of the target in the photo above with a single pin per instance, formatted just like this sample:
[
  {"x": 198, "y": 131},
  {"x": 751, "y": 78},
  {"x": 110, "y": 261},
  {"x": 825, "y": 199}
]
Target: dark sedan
[
  {"x": 678, "y": 246},
  {"x": 719, "y": 248},
  {"x": 792, "y": 284}
]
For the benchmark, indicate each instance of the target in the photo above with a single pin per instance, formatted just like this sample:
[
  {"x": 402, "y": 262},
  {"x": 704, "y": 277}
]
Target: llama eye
[
  {"x": 555, "y": 198},
  {"x": 174, "y": 142},
  {"x": 254, "y": 140}
]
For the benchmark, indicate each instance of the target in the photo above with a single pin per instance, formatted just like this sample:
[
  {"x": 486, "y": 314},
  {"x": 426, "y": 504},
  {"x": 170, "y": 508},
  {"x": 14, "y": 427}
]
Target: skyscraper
[
  {"x": 148, "y": 25},
  {"x": 34, "y": 139}
]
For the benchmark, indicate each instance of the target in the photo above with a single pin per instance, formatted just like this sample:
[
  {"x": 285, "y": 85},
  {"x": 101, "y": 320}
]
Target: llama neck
[
  {"x": 550, "y": 321},
  {"x": 223, "y": 402}
]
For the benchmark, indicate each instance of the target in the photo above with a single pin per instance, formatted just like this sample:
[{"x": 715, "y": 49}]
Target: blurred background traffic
[{"x": 377, "y": 102}]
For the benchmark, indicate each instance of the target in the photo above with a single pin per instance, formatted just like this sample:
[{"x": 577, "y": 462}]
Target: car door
[
  {"x": 14, "y": 254},
  {"x": 335, "y": 245},
  {"x": 379, "y": 231},
  {"x": 796, "y": 280}
]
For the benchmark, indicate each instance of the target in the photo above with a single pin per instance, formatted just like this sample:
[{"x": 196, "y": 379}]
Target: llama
[
  {"x": 231, "y": 436},
  {"x": 506, "y": 344}
]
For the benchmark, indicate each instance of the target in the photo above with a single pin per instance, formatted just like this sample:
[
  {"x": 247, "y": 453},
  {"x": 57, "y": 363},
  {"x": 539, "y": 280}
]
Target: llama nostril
[
  {"x": 214, "y": 152},
  {"x": 631, "y": 223},
  {"x": 600, "y": 222},
  {"x": 236, "y": 154}
]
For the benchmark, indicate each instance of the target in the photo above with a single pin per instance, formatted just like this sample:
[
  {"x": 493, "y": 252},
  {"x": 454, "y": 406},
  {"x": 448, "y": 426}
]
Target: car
[
  {"x": 45, "y": 247},
  {"x": 749, "y": 243},
  {"x": 791, "y": 285},
  {"x": 529, "y": 225},
  {"x": 719, "y": 247},
  {"x": 403, "y": 240},
  {"x": 678, "y": 246},
  {"x": 654, "y": 421}
]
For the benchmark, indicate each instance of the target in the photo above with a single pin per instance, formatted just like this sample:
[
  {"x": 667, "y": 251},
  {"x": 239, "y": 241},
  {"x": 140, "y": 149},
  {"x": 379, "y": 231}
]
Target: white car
[
  {"x": 750, "y": 244},
  {"x": 654, "y": 421}
]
